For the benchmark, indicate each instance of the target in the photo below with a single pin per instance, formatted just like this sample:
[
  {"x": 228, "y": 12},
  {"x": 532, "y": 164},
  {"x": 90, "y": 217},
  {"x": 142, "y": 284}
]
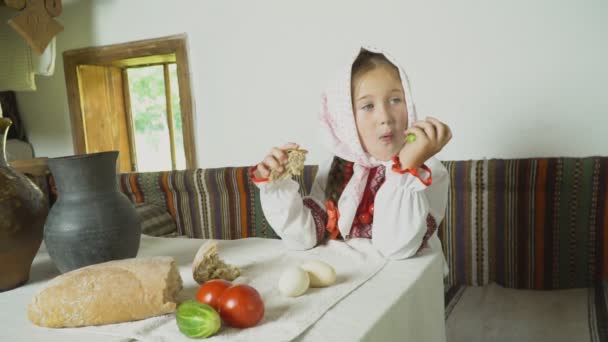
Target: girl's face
[{"x": 380, "y": 111}]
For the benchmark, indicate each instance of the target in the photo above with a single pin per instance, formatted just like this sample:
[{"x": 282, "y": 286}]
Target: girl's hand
[
  {"x": 431, "y": 136},
  {"x": 275, "y": 160}
]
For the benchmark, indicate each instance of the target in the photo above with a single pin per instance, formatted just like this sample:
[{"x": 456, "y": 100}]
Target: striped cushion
[
  {"x": 220, "y": 203},
  {"x": 527, "y": 223},
  {"x": 155, "y": 221}
]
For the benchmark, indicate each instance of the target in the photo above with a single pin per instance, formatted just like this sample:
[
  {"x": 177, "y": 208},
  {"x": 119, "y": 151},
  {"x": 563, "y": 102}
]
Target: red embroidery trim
[
  {"x": 319, "y": 216},
  {"x": 362, "y": 223},
  {"x": 252, "y": 175},
  {"x": 412, "y": 170},
  {"x": 431, "y": 227}
]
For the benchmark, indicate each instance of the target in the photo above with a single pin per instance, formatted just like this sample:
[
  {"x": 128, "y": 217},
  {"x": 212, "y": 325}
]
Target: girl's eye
[
  {"x": 395, "y": 100},
  {"x": 368, "y": 107}
]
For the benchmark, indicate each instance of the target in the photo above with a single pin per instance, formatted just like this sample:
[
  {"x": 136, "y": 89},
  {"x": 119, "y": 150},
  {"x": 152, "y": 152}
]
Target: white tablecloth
[{"x": 394, "y": 301}]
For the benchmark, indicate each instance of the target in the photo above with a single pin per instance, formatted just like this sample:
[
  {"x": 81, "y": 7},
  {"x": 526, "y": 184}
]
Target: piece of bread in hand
[
  {"x": 110, "y": 292},
  {"x": 207, "y": 265},
  {"x": 293, "y": 167}
]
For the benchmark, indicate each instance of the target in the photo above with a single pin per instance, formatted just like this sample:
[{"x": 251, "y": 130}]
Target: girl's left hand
[{"x": 431, "y": 136}]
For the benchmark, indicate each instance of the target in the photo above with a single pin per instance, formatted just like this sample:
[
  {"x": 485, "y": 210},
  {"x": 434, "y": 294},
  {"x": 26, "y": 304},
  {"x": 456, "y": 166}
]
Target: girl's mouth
[{"x": 386, "y": 138}]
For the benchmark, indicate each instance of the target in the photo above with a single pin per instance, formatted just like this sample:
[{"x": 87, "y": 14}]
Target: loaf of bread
[
  {"x": 110, "y": 292},
  {"x": 293, "y": 167}
]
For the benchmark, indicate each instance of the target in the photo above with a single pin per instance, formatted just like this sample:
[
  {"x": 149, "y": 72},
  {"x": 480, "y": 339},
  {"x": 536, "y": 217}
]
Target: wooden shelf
[{"x": 34, "y": 166}]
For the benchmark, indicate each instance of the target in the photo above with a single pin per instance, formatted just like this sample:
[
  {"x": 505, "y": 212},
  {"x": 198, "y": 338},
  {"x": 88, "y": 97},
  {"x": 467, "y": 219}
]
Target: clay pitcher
[{"x": 23, "y": 211}]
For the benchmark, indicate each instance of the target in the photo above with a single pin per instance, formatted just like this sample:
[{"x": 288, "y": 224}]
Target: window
[
  {"x": 134, "y": 98},
  {"x": 156, "y": 117}
]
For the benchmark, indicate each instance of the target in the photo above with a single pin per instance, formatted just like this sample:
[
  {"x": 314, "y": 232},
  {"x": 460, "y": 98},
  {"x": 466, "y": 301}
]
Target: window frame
[{"x": 114, "y": 55}]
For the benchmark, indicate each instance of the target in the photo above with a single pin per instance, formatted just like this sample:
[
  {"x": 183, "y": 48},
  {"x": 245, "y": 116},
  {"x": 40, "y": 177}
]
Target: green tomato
[
  {"x": 197, "y": 320},
  {"x": 411, "y": 138}
]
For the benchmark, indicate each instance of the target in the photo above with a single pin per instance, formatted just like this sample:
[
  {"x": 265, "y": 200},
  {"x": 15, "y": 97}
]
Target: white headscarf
[{"x": 339, "y": 134}]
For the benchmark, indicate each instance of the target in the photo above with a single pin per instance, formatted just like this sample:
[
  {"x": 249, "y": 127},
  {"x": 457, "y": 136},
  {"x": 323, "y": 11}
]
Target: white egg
[
  {"x": 320, "y": 273},
  {"x": 293, "y": 282}
]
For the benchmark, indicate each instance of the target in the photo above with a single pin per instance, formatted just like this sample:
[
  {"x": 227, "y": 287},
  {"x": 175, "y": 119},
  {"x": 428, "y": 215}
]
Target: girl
[{"x": 382, "y": 183}]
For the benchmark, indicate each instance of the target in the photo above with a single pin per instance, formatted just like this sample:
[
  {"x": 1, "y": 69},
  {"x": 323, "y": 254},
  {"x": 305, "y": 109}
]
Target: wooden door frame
[{"x": 108, "y": 55}]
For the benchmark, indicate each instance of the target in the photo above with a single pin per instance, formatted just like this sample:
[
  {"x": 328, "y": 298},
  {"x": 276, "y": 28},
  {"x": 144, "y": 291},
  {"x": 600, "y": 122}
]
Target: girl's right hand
[
  {"x": 275, "y": 160},
  {"x": 431, "y": 136}
]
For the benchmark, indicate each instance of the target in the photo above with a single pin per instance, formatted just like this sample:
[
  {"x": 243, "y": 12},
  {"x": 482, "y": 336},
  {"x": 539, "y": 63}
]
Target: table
[{"x": 403, "y": 301}]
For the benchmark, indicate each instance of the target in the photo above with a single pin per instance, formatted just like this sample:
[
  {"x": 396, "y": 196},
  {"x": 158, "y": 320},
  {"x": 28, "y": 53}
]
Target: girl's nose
[{"x": 384, "y": 116}]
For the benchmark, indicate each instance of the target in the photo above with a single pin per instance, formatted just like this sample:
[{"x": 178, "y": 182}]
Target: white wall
[{"x": 513, "y": 78}]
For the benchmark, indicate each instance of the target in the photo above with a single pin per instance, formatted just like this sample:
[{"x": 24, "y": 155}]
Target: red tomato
[
  {"x": 211, "y": 290},
  {"x": 241, "y": 306}
]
